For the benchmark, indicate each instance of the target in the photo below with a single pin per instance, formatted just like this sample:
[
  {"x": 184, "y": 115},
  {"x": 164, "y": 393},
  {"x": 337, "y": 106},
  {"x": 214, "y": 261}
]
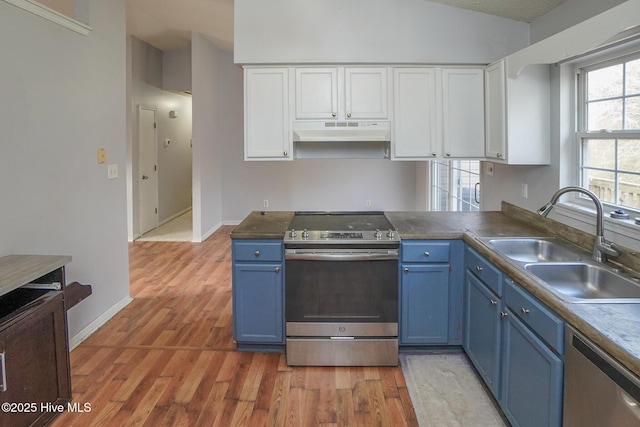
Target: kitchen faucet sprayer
[{"x": 601, "y": 248}]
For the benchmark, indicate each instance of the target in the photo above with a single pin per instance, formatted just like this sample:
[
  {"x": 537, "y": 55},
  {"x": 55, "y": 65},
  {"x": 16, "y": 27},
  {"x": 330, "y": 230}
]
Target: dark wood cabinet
[
  {"x": 35, "y": 361},
  {"x": 35, "y": 379}
]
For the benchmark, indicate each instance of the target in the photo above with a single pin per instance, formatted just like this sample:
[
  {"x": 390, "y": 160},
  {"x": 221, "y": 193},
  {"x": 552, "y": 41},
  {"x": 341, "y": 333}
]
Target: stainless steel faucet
[{"x": 601, "y": 248}]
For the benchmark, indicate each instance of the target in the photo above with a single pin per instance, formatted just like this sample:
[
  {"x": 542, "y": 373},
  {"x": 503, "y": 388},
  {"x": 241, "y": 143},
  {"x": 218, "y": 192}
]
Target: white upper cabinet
[
  {"x": 341, "y": 93},
  {"x": 517, "y": 115},
  {"x": 414, "y": 114},
  {"x": 438, "y": 113},
  {"x": 267, "y": 125},
  {"x": 316, "y": 93},
  {"x": 463, "y": 112},
  {"x": 366, "y": 93}
]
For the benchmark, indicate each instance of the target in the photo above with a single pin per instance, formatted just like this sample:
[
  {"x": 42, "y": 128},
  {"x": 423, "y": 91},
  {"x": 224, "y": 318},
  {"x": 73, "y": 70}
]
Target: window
[
  {"x": 609, "y": 130},
  {"x": 455, "y": 185}
]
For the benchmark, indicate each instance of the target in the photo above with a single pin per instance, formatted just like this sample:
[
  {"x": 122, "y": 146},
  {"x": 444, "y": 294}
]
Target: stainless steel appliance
[
  {"x": 598, "y": 391},
  {"x": 341, "y": 289}
]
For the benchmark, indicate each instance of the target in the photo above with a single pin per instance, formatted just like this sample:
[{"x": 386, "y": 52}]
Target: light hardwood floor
[{"x": 169, "y": 359}]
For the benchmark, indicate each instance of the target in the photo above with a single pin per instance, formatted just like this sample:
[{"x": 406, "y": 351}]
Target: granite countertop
[
  {"x": 263, "y": 225},
  {"x": 613, "y": 327}
]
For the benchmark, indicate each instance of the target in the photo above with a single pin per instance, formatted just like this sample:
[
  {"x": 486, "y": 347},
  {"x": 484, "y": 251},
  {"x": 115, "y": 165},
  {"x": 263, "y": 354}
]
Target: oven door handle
[{"x": 341, "y": 256}]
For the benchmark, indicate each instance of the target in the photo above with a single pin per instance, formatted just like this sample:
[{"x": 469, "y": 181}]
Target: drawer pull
[
  {"x": 478, "y": 268},
  {"x": 427, "y": 253},
  {"x": 524, "y": 310},
  {"x": 406, "y": 270},
  {"x": 3, "y": 374},
  {"x": 257, "y": 254},
  {"x": 277, "y": 269},
  {"x": 494, "y": 302}
]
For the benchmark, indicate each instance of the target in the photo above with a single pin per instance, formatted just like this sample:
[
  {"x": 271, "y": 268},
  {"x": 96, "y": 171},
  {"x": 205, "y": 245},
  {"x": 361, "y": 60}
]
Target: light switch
[
  {"x": 112, "y": 171},
  {"x": 102, "y": 155}
]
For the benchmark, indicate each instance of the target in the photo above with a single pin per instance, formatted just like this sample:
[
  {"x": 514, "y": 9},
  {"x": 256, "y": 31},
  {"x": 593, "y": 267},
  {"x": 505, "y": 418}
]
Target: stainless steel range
[{"x": 341, "y": 289}]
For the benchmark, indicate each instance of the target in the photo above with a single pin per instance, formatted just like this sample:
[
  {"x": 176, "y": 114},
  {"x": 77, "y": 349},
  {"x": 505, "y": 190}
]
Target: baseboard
[
  {"x": 206, "y": 235},
  {"x": 75, "y": 340},
  {"x": 231, "y": 222}
]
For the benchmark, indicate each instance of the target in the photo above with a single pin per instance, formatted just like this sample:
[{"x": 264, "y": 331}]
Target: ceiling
[{"x": 167, "y": 24}]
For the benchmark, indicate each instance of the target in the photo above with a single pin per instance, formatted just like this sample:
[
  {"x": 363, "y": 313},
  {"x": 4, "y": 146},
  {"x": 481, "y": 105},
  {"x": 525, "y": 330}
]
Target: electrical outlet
[
  {"x": 265, "y": 203},
  {"x": 525, "y": 191},
  {"x": 489, "y": 168},
  {"x": 367, "y": 203}
]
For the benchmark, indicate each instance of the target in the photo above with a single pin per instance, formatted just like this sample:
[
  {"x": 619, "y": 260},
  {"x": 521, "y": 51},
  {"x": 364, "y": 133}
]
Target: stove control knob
[
  {"x": 377, "y": 234},
  {"x": 305, "y": 234},
  {"x": 390, "y": 234},
  {"x": 293, "y": 233}
]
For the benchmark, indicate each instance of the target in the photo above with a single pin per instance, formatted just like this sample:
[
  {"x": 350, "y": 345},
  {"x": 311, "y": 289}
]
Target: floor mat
[{"x": 445, "y": 391}]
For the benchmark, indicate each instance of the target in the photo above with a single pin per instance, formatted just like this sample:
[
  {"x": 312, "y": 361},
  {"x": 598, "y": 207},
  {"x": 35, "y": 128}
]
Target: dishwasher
[{"x": 598, "y": 391}]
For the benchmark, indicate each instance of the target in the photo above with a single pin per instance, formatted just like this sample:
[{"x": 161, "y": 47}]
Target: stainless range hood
[
  {"x": 341, "y": 140},
  {"x": 335, "y": 131}
]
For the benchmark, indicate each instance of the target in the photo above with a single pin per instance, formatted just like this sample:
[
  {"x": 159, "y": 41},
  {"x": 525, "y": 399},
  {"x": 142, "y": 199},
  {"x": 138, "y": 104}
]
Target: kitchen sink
[
  {"x": 533, "y": 249},
  {"x": 586, "y": 282}
]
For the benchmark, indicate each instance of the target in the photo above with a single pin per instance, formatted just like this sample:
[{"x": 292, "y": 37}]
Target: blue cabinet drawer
[
  {"x": 484, "y": 270},
  {"x": 535, "y": 315},
  {"x": 257, "y": 250},
  {"x": 424, "y": 252}
]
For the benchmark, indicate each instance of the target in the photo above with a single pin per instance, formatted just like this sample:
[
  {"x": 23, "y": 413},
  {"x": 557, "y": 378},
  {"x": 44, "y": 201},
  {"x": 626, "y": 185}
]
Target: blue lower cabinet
[
  {"x": 531, "y": 378},
  {"x": 515, "y": 343},
  {"x": 424, "y": 304},
  {"x": 258, "y": 292},
  {"x": 257, "y": 303},
  {"x": 483, "y": 331},
  {"x": 431, "y": 292}
]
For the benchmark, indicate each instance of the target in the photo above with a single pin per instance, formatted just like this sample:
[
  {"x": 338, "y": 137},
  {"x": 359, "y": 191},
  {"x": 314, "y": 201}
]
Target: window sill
[
  {"x": 51, "y": 15},
  {"x": 622, "y": 227}
]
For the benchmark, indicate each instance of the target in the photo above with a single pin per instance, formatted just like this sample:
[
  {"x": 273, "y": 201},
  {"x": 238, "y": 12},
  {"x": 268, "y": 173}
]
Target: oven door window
[{"x": 342, "y": 291}]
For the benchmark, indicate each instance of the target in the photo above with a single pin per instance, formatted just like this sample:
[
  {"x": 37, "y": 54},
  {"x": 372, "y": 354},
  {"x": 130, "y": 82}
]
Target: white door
[{"x": 147, "y": 169}]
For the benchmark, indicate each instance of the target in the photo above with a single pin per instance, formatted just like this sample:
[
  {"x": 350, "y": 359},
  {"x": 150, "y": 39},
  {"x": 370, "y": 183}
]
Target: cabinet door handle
[
  {"x": 277, "y": 269},
  {"x": 426, "y": 253},
  {"x": 406, "y": 270},
  {"x": 524, "y": 310},
  {"x": 3, "y": 374},
  {"x": 285, "y": 154},
  {"x": 333, "y": 114},
  {"x": 478, "y": 268},
  {"x": 448, "y": 154},
  {"x": 494, "y": 302},
  {"x": 348, "y": 114},
  {"x": 257, "y": 254},
  {"x": 434, "y": 154},
  {"x": 503, "y": 314}
]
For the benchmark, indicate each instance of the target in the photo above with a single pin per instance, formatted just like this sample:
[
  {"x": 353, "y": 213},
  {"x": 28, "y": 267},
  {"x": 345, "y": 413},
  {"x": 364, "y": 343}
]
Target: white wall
[
  {"x": 348, "y": 31},
  {"x": 58, "y": 107},
  {"x": 207, "y": 161},
  {"x": 176, "y": 69},
  {"x": 174, "y": 161}
]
